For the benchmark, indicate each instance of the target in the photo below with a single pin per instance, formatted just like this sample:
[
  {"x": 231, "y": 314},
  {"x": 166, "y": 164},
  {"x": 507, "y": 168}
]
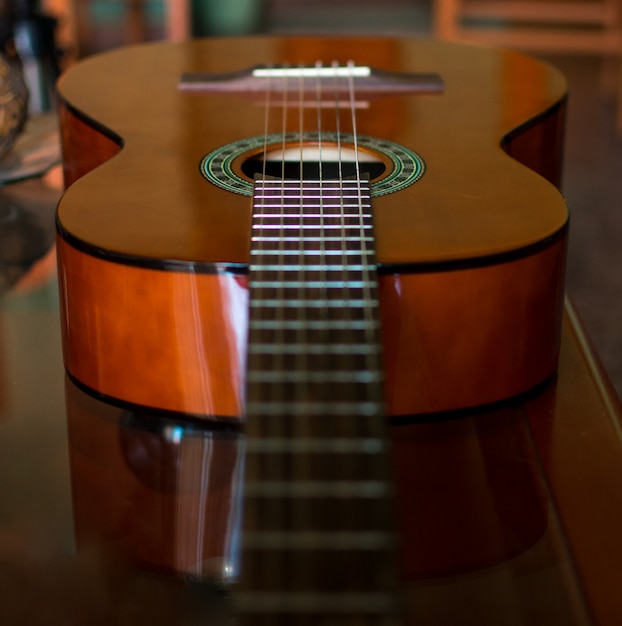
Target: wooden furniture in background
[
  {"x": 588, "y": 25},
  {"x": 546, "y": 26},
  {"x": 74, "y": 28}
]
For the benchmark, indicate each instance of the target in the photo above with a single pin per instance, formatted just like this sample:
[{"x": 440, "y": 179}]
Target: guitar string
[
  {"x": 262, "y": 245},
  {"x": 370, "y": 295},
  {"x": 338, "y": 431},
  {"x": 269, "y": 95},
  {"x": 266, "y": 128},
  {"x": 368, "y": 274},
  {"x": 371, "y": 313},
  {"x": 258, "y": 293},
  {"x": 281, "y": 430},
  {"x": 301, "y": 312},
  {"x": 267, "y": 465},
  {"x": 349, "y": 362},
  {"x": 299, "y": 507},
  {"x": 323, "y": 295},
  {"x": 340, "y": 169}
]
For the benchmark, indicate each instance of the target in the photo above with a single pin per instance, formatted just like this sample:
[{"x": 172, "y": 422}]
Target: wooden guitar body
[{"x": 153, "y": 257}]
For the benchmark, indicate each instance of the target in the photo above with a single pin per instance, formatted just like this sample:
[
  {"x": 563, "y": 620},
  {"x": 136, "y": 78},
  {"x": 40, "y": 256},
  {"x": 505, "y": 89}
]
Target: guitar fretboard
[{"x": 318, "y": 539}]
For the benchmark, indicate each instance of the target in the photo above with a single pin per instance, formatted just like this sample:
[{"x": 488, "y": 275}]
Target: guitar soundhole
[
  {"x": 390, "y": 166},
  {"x": 313, "y": 163}
]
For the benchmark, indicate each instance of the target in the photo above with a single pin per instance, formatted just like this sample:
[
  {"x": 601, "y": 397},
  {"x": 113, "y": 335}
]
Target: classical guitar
[{"x": 316, "y": 234}]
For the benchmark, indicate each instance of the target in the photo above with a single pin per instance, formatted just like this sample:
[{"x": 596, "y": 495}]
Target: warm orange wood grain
[
  {"x": 170, "y": 340},
  {"x": 456, "y": 337},
  {"x": 177, "y": 341},
  {"x": 436, "y": 326},
  {"x": 83, "y": 147}
]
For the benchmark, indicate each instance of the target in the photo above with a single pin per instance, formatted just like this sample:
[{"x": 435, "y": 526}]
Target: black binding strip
[
  {"x": 199, "y": 267},
  {"x": 235, "y": 425},
  {"x": 94, "y": 124},
  {"x": 515, "y": 402},
  {"x": 207, "y": 422},
  {"x": 537, "y": 119},
  {"x": 465, "y": 264},
  {"x": 166, "y": 265}
]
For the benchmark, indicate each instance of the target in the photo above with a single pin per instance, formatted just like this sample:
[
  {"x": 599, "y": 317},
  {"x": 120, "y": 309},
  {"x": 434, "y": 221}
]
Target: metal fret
[
  {"x": 317, "y": 489},
  {"x": 323, "y": 184},
  {"x": 304, "y": 196},
  {"x": 308, "y": 216},
  {"x": 313, "y": 304},
  {"x": 319, "y": 254},
  {"x": 310, "y": 227},
  {"x": 319, "y": 409},
  {"x": 331, "y": 376},
  {"x": 323, "y": 187},
  {"x": 296, "y": 269},
  {"x": 317, "y": 221},
  {"x": 316, "y": 446},
  {"x": 320, "y": 218},
  {"x": 316, "y": 239},
  {"x": 311, "y": 603},
  {"x": 311, "y": 540},
  {"x": 310, "y": 284},
  {"x": 314, "y": 325},
  {"x": 318, "y": 348},
  {"x": 298, "y": 205}
]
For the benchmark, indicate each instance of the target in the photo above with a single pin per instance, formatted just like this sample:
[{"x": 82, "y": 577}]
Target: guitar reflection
[
  {"x": 165, "y": 493},
  {"x": 161, "y": 492}
]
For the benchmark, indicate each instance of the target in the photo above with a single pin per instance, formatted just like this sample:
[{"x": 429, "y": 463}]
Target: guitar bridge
[{"x": 368, "y": 81}]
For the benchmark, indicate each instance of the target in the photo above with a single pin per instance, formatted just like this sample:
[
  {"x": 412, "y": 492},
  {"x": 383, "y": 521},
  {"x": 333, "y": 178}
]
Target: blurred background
[{"x": 583, "y": 38}]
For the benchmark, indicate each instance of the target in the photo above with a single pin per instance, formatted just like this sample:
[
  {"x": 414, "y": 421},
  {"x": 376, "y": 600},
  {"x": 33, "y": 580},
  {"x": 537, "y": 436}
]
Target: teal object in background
[
  {"x": 226, "y": 17},
  {"x": 104, "y": 11},
  {"x": 209, "y": 17}
]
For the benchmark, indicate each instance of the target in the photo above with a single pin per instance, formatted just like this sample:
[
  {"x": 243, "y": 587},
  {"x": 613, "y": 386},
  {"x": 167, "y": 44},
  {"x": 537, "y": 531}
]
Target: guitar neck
[{"x": 318, "y": 538}]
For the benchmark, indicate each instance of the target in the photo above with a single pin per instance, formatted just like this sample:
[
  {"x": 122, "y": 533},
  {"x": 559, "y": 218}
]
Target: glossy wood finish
[
  {"x": 187, "y": 352},
  {"x": 84, "y": 147},
  {"x": 436, "y": 326},
  {"x": 174, "y": 341},
  {"x": 475, "y": 213}
]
